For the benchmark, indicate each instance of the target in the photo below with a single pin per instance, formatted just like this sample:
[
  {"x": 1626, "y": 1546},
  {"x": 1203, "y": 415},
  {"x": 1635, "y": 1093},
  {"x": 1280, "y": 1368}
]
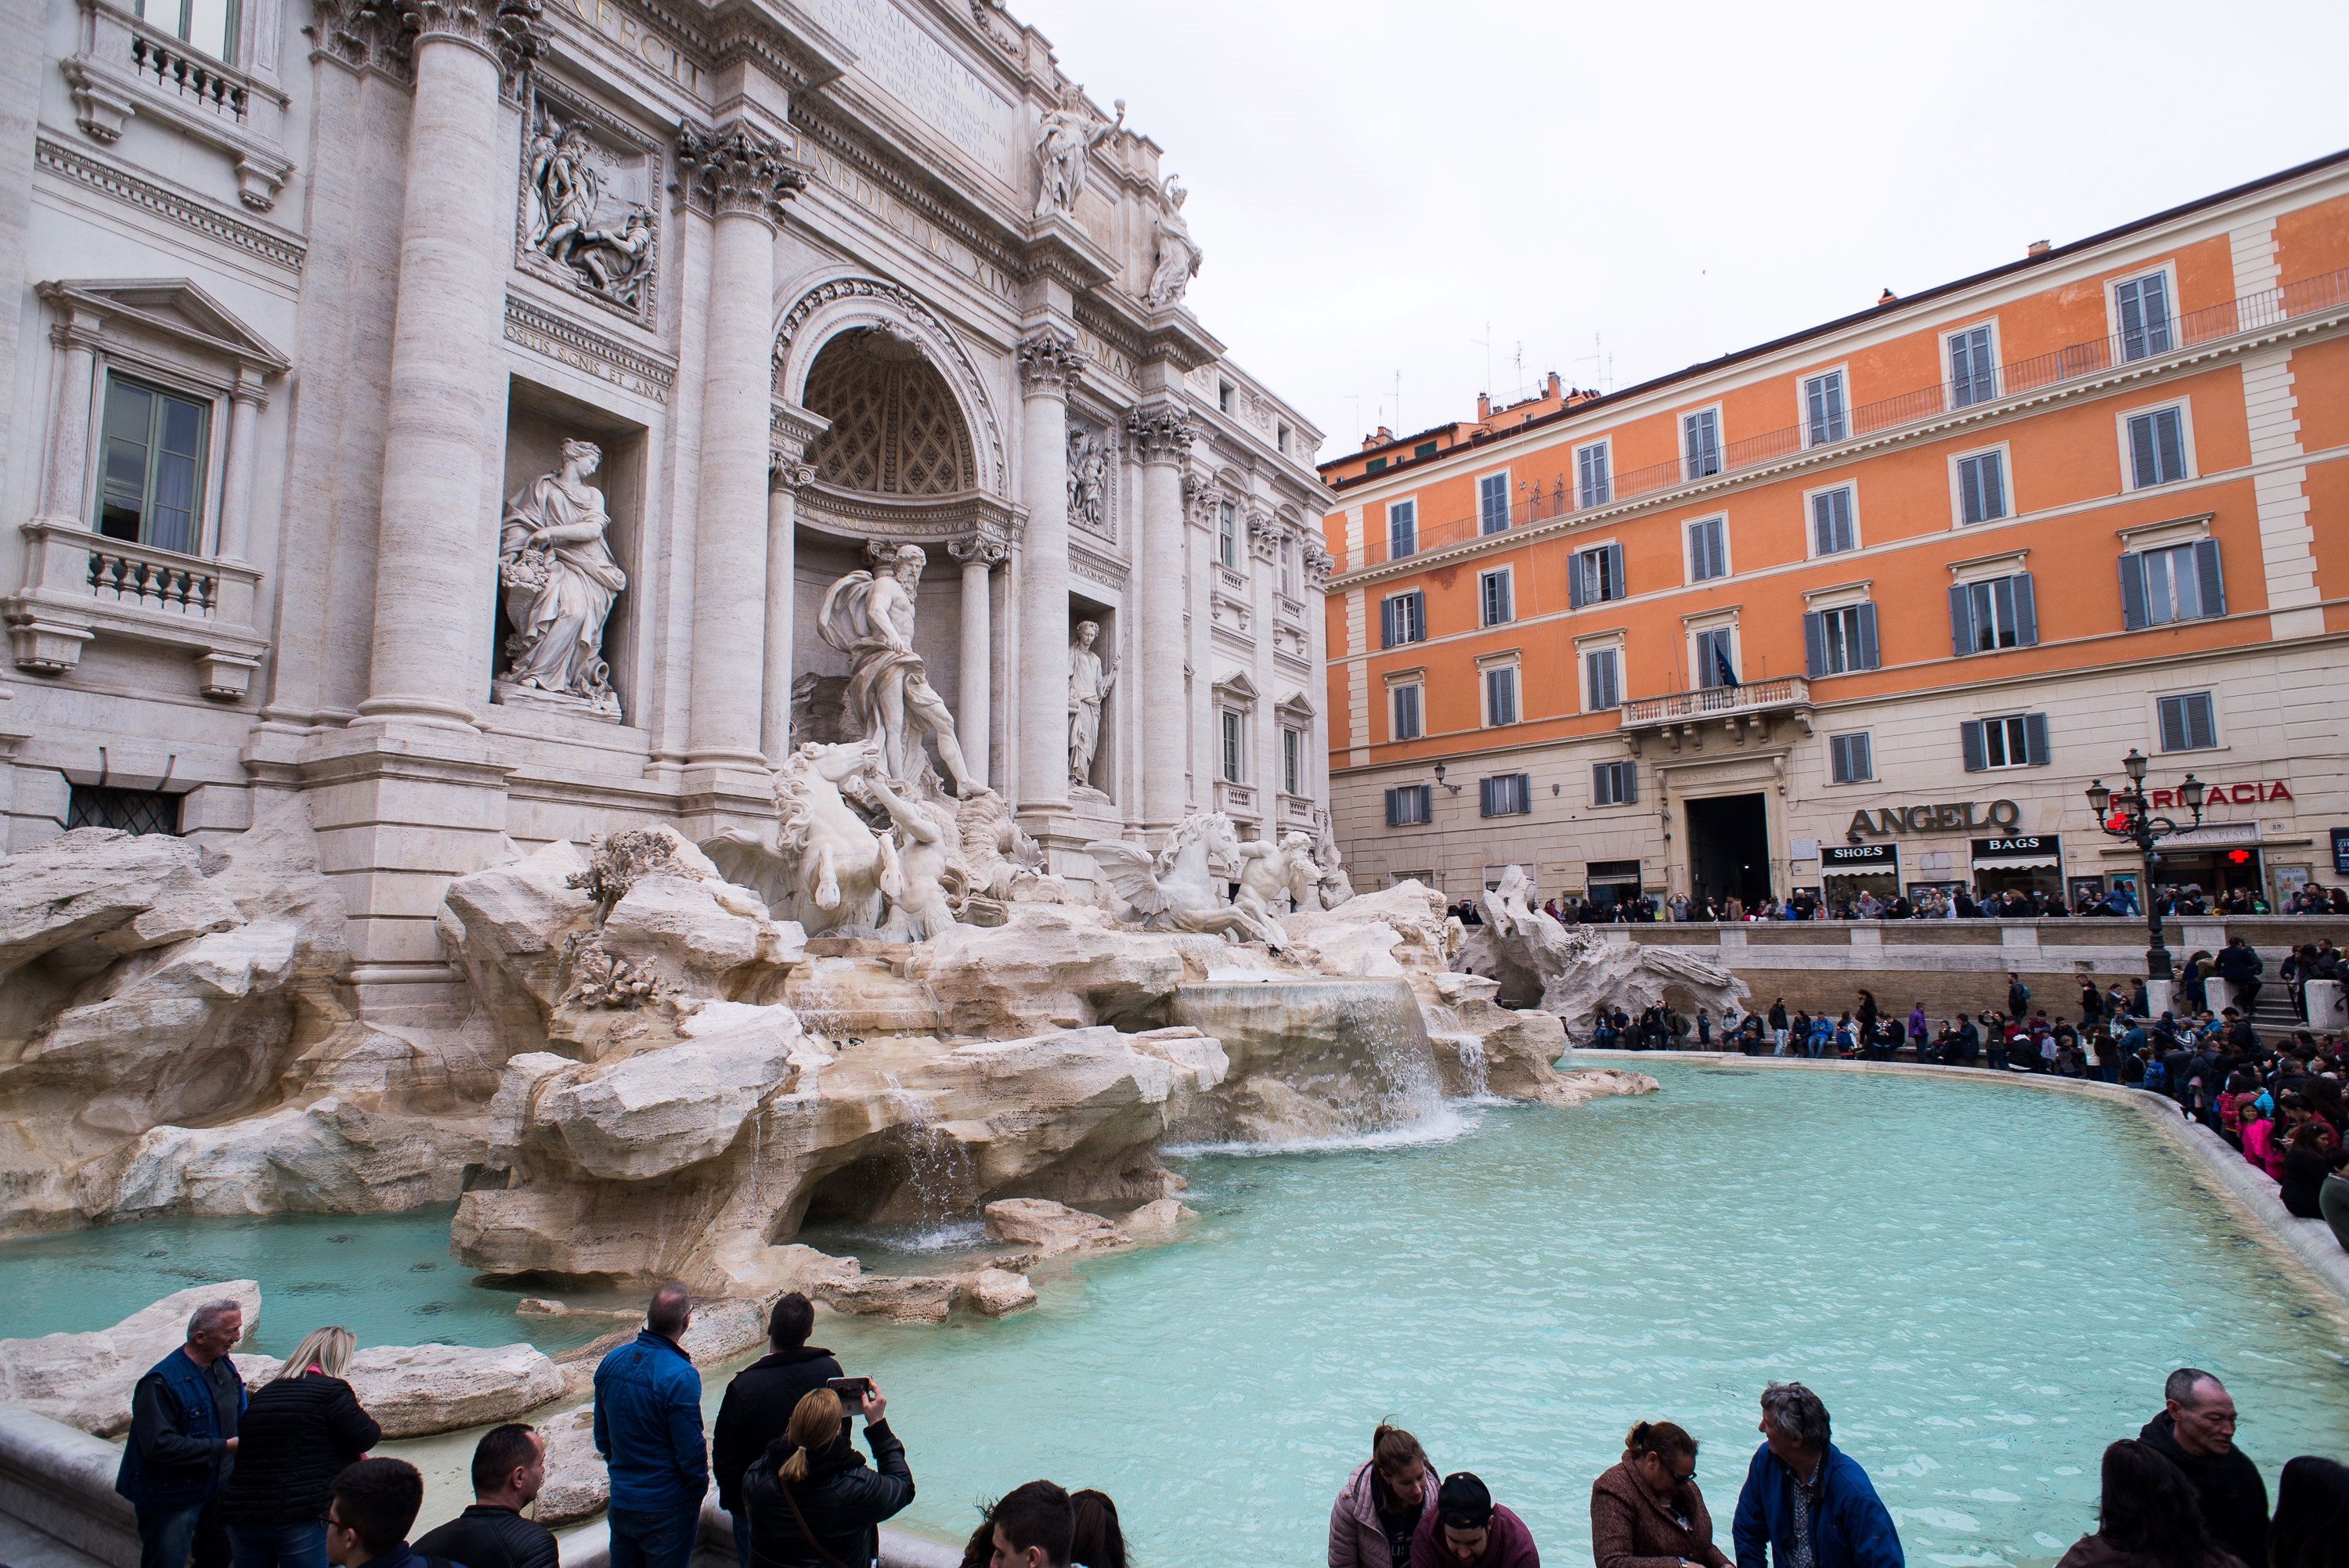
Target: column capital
[
  {"x": 735, "y": 170},
  {"x": 509, "y": 31},
  {"x": 1050, "y": 363},
  {"x": 1161, "y": 433},
  {"x": 787, "y": 472},
  {"x": 979, "y": 550}
]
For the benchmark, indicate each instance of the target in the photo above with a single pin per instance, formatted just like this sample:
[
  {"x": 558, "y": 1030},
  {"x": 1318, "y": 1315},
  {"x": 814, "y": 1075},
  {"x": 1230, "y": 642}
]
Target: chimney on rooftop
[
  {"x": 1483, "y": 406},
  {"x": 1887, "y": 297},
  {"x": 1554, "y": 391},
  {"x": 2038, "y": 248}
]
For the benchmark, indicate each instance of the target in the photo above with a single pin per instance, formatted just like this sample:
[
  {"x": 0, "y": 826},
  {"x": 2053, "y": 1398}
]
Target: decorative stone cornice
[
  {"x": 734, "y": 170},
  {"x": 982, "y": 549},
  {"x": 510, "y": 31},
  {"x": 1318, "y": 562},
  {"x": 1264, "y": 533},
  {"x": 1050, "y": 363},
  {"x": 1161, "y": 434}
]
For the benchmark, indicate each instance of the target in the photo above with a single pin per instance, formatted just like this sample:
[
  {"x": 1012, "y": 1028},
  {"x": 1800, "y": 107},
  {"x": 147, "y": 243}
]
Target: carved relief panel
[
  {"x": 587, "y": 219},
  {"x": 1092, "y": 478}
]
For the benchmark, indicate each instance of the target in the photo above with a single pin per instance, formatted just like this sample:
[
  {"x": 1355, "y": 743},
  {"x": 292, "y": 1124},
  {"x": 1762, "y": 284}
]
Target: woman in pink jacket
[{"x": 1374, "y": 1520}]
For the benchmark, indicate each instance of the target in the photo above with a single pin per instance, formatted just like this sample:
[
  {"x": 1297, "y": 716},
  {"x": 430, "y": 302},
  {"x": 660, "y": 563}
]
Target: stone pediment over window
[
  {"x": 175, "y": 308},
  {"x": 1296, "y": 706},
  {"x": 1236, "y": 690}
]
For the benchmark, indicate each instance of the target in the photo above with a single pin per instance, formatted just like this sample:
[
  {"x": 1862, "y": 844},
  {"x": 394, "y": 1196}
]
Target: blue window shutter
[
  {"x": 1962, "y": 621},
  {"x": 1627, "y": 774},
  {"x": 1419, "y": 617},
  {"x": 1484, "y": 796},
  {"x": 1575, "y": 565},
  {"x": 1387, "y": 638},
  {"x": 1814, "y": 644},
  {"x": 2208, "y": 579},
  {"x": 2132, "y": 320},
  {"x": 2133, "y": 616},
  {"x": 2144, "y": 467},
  {"x": 2170, "y": 444},
  {"x": 1524, "y": 794},
  {"x": 2026, "y": 616},
  {"x": 1390, "y": 807},
  {"x": 1969, "y": 736},
  {"x": 1868, "y": 636},
  {"x": 2034, "y": 740},
  {"x": 1615, "y": 570}
]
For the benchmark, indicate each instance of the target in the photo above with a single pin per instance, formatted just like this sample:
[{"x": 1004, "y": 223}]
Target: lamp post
[{"x": 2127, "y": 814}]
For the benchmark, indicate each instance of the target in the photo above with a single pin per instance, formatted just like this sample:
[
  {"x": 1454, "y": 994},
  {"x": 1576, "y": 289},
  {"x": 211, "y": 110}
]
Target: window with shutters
[
  {"x": 2141, "y": 310},
  {"x": 1403, "y": 528},
  {"x": 1501, "y": 696},
  {"x": 1838, "y": 641},
  {"x": 1708, "y": 549},
  {"x": 1595, "y": 575},
  {"x": 1981, "y": 486},
  {"x": 1375, "y": 466},
  {"x": 2157, "y": 447},
  {"x": 1403, "y": 718},
  {"x": 1591, "y": 485},
  {"x": 1232, "y": 733},
  {"x": 1403, "y": 618},
  {"x": 1701, "y": 442},
  {"x": 2188, "y": 722},
  {"x": 1227, "y": 535},
  {"x": 1493, "y": 590},
  {"x": 1973, "y": 378},
  {"x": 1614, "y": 783},
  {"x": 1850, "y": 759},
  {"x": 2010, "y": 740},
  {"x": 151, "y": 488},
  {"x": 1831, "y": 525},
  {"x": 1424, "y": 449},
  {"x": 1493, "y": 504},
  {"x": 1714, "y": 658},
  {"x": 1410, "y": 805},
  {"x": 1996, "y": 612},
  {"x": 1293, "y": 760},
  {"x": 1602, "y": 679},
  {"x": 2181, "y": 583},
  {"x": 1823, "y": 420},
  {"x": 1510, "y": 795}
]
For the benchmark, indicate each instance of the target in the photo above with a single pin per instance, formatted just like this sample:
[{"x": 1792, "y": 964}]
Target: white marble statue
[
  {"x": 928, "y": 843},
  {"x": 609, "y": 252},
  {"x": 1065, "y": 139},
  {"x": 1329, "y": 863},
  {"x": 996, "y": 854},
  {"x": 871, "y": 619},
  {"x": 825, "y": 868},
  {"x": 558, "y": 581},
  {"x": 1177, "y": 890},
  {"x": 1268, "y": 872},
  {"x": 1179, "y": 254},
  {"x": 1088, "y": 480},
  {"x": 1089, "y": 681}
]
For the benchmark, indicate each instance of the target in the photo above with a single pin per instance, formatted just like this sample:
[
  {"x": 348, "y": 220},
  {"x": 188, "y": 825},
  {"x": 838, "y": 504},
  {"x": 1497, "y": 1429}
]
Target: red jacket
[{"x": 1509, "y": 1544}]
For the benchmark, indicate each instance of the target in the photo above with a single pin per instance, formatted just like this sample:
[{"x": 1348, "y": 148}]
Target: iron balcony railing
[
  {"x": 1715, "y": 702},
  {"x": 1564, "y": 497}
]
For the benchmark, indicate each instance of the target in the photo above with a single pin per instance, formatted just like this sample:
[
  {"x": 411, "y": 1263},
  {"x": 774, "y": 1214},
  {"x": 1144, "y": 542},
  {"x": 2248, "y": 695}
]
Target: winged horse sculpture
[
  {"x": 825, "y": 868},
  {"x": 1177, "y": 890}
]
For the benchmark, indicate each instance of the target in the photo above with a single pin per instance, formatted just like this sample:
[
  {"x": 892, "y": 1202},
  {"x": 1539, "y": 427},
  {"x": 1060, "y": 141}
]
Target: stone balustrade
[{"x": 79, "y": 584}]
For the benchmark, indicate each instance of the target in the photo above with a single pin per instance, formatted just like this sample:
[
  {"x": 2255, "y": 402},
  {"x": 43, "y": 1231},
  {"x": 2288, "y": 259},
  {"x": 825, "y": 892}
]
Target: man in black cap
[
  {"x": 1469, "y": 1530},
  {"x": 760, "y": 1401}
]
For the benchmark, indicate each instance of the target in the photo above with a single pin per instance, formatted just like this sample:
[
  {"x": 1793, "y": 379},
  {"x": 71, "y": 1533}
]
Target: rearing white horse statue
[
  {"x": 825, "y": 867},
  {"x": 1177, "y": 890}
]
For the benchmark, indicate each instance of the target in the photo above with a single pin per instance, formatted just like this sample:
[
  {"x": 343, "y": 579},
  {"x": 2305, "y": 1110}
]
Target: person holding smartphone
[{"x": 813, "y": 1500}]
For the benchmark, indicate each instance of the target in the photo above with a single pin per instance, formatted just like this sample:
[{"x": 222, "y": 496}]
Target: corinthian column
[
  {"x": 978, "y": 555},
  {"x": 453, "y": 231},
  {"x": 785, "y": 474},
  {"x": 743, "y": 177},
  {"x": 1161, "y": 436},
  {"x": 1048, "y": 362}
]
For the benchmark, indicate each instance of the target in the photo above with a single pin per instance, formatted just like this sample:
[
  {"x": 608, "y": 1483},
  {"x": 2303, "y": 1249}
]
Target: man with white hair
[
  {"x": 2195, "y": 1432},
  {"x": 1806, "y": 1503},
  {"x": 183, "y": 1444}
]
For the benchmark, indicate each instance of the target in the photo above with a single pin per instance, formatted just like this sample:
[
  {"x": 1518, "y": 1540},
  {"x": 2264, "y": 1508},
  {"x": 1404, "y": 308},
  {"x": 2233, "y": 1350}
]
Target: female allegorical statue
[{"x": 560, "y": 581}]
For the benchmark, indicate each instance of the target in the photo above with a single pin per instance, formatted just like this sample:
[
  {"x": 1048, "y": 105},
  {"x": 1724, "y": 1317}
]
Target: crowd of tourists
[
  {"x": 1951, "y": 900},
  {"x": 279, "y": 1477}
]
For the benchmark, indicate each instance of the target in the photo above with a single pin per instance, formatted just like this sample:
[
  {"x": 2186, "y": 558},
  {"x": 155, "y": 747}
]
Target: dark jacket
[
  {"x": 2304, "y": 1170},
  {"x": 1850, "y": 1528},
  {"x": 182, "y": 1417},
  {"x": 2095, "y": 1552},
  {"x": 1358, "y": 1537},
  {"x": 2238, "y": 963},
  {"x": 758, "y": 1405},
  {"x": 488, "y": 1536},
  {"x": 2235, "y": 1498},
  {"x": 296, "y": 1433},
  {"x": 1631, "y": 1528},
  {"x": 648, "y": 1425},
  {"x": 842, "y": 1500},
  {"x": 1509, "y": 1545}
]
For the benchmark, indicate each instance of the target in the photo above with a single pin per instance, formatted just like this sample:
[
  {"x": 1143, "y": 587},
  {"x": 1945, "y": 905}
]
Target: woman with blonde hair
[
  {"x": 1647, "y": 1512},
  {"x": 300, "y": 1429},
  {"x": 812, "y": 1502}
]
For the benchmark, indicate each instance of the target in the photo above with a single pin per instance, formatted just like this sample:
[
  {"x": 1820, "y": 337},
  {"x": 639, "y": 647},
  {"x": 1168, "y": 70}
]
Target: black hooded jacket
[
  {"x": 757, "y": 1406},
  {"x": 2235, "y": 1498},
  {"x": 842, "y": 1500}
]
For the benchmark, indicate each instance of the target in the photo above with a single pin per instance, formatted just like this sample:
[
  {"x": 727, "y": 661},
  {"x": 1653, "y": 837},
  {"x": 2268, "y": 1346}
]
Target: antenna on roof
[{"x": 1602, "y": 375}]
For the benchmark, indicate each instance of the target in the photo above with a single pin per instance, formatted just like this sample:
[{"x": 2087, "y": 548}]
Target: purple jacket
[{"x": 1357, "y": 1540}]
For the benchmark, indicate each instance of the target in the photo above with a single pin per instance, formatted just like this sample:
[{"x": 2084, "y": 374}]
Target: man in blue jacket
[
  {"x": 1806, "y": 1503},
  {"x": 648, "y": 1430},
  {"x": 183, "y": 1416}
]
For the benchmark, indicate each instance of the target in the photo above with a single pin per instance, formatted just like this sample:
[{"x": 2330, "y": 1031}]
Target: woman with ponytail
[
  {"x": 1374, "y": 1520},
  {"x": 1647, "y": 1512},
  {"x": 813, "y": 1502}
]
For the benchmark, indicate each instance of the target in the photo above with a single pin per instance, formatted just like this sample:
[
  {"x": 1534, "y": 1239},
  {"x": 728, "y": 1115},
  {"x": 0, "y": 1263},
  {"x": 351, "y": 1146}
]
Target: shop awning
[{"x": 2015, "y": 862}]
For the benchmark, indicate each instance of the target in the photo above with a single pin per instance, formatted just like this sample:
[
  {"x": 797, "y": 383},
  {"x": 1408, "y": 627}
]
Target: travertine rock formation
[
  {"x": 85, "y": 1380},
  {"x": 1571, "y": 973}
]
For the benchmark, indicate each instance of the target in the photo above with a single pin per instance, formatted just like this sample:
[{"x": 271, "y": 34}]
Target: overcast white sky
[{"x": 1373, "y": 182}]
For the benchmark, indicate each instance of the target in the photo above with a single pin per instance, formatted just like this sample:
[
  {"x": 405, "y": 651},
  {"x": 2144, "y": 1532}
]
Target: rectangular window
[
  {"x": 1493, "y": 590},
  {"x": 1280, "y": 439},
  {"x": 1849, "y": 758},
  {"x": 1424, "y": 449},
  {"x": 1293, "y": 760},
  {"x": 1410, "y": 805},
  {"x": 1403, "y": 528},
  {"x": 2014, "y": 740},
  {"x": 1594, "y": 576},
  {"x": 1232, "y": 747},
  {"x": 1375, "y": 466},
  {"x": 1708, "y": 550},
  {"x": 1823, "y": 403},
  {"x": 1591, "y": 485},
  {"x": 2189, "y": 723},
  {"x": 152, "y": 473},
  {"x": 1981, "y": 486},
  {"x": 1602, "y": 679},
  {"x": 2182, "y": 583},
  {"x": 1831, "y": 531},
  {"x": 1837, "y": 641},
  {"x": 1714, "y": 659},
  {"x": 125, "y": 811},
  {"x": 1493, "y": 504},
  {"x": 1227, "y": 542},
  {"x": 1972, "y": 378},
  {"x": 1287, "y": 568},
  {"x": 1701, "y": 442},
  {"x": 1614, "y": 783},
  {"x": 1994, "y": 614},
  {"x": 1501, "y": 696},
  {"x": 1510, "y": 795},
  {"x": 1403, "y": 724},
  {"x": 1402, "y": 619},
  {"x": 206, "y": 24},
  {"x": 2157, "y": 449},
  {"x": 1224, "y": 396},
  {"x": 2144, "y": 309}
]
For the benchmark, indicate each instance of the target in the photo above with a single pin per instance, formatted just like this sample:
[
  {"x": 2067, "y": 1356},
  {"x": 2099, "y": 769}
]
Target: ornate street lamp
[{"x": 2127, "y": 814}]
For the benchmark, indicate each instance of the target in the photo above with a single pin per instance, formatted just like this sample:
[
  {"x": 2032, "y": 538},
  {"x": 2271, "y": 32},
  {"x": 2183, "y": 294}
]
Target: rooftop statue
[
  {"x": 1178, "y": 255},
  {"x": 1065, "y": 139}
]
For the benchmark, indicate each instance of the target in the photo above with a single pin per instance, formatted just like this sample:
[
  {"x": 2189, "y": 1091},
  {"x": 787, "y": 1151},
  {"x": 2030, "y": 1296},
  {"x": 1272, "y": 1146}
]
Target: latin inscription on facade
[
  {"x": 920, "y": 72},
  {"x": 869, "y": 194},
  {"x": 655, "y": 48}
]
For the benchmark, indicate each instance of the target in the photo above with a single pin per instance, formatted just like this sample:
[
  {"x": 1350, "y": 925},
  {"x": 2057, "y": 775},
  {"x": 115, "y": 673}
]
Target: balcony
[
  {"x": 1740, "y": 713},
  {"x": 2076, "y": 362},
  {"x": 79, "y": 584},
  {"x": 128, "y": 66}
]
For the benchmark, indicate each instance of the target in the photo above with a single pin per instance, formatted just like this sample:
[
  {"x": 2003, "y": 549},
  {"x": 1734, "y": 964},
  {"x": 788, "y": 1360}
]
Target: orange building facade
[{"x": 1867, "y": 607}]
